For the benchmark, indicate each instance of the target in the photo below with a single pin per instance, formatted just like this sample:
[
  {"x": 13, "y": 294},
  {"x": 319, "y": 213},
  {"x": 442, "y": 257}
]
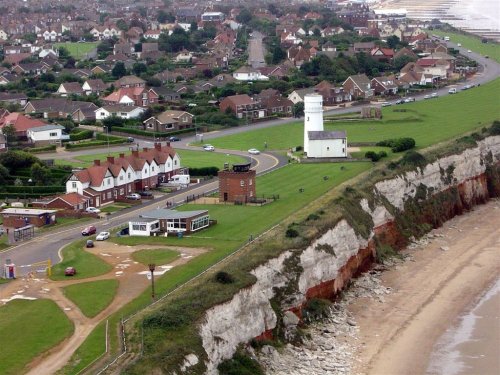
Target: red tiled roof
[{"x": 20, "y": 122}]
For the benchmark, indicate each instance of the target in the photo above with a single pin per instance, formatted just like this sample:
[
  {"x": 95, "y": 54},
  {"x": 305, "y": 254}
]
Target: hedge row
[
  {"x": 205, "y": 171},
  {"x": 71, "y": 146},
  {"x": 149, "y": 133},
  {"x": 20, "y": 190},
  {"x": 398, "y": 144},
  {"x": 34, "y": 150},
  {"x": 81, "y": 135}
]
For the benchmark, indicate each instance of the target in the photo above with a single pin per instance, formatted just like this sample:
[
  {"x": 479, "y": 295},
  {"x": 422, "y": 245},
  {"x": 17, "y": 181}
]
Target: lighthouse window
[
  {"x": 328, "y": 149},
  {"x": 307, "y": 118}
]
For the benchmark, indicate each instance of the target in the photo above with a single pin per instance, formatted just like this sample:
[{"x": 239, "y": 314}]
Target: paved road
[{"x": 256, "y": 51}]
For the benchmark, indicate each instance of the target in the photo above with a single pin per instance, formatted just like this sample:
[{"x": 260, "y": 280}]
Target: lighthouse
[{"x": 313, "y": 116}]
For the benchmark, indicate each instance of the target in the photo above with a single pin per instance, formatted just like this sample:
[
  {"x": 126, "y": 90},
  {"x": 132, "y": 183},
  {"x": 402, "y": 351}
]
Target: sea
[{"x": 481, "y": 17}]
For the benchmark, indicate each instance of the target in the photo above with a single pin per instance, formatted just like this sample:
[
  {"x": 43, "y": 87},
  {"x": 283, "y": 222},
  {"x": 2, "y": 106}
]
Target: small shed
[{"x": 21, "y": 217}]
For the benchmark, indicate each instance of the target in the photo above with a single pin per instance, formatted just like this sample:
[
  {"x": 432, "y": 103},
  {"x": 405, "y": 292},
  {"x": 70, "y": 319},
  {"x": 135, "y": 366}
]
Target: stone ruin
[{"x": 371, "y": 112}]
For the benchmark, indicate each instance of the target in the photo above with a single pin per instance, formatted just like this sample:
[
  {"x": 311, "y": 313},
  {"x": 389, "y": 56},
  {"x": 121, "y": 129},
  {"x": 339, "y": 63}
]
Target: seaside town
[{"x": 224, "y": 187}]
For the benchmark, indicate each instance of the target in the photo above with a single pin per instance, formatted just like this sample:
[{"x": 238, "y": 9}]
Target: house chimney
[
  {"x": 122, "y": 156},
  {"x": 135, "y": 153},
  {"x": 111, "y": 159},
  {"x": 97, "y": 162},
  {"x": 158, "y": 146}
]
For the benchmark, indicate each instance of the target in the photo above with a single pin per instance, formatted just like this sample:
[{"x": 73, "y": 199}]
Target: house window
[
  {"x": 109, "y": 195},
  {"x": 73, "y": 185},
  {"x": 153, "y": 169},
  {"x": 343, "y": 141},
  {"x": 250, "y": 182},
  {"x": 122, "y": 191},
  {"x": 103, "y": 114},
  {"x": 121, "y": 178},
  {"x": 184, "y": 119},
  {"x": 169, "y": 126},
  {"x": 128, "y": 176},
  {"x": 242, "y": 183},
  {"x": 53, "y": 134},
  {"x": 123, "y": 114},
  {"x": 150, "y": 126},
  {"x": 343, "y": 150},
  {"x": 175, "y": 162}
]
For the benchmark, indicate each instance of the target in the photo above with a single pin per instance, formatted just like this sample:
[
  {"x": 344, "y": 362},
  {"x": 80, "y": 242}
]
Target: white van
[{"x": 179, "y": 179}]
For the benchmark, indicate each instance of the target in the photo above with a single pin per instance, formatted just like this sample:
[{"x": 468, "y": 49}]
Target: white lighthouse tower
[{"x": 313, "y": 116}]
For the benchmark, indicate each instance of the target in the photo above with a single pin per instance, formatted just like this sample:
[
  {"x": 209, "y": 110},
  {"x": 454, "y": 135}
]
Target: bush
[
  {"x": 34, "y": 150},
  {"x": 205, "y": 171},
  {"x": 398, "y": 144},
  {"x": 80, "y": 135},
  {"x": 413, "y": 158},
  {"x": 291, "y": 233},
  {"x": 240, "y": 364},
  {"x": 495, "y": 128},
  {"x": 224, "y": 278},
  {"x": 372, "y": 155},
  {"x": 315, "y": 309}
]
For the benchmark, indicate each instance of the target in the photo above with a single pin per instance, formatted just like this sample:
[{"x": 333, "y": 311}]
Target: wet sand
[{"x": 444, "y": 278}]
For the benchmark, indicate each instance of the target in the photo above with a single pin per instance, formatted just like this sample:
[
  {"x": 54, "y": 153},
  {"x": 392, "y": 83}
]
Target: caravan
[{"x": 179, "y": 179}]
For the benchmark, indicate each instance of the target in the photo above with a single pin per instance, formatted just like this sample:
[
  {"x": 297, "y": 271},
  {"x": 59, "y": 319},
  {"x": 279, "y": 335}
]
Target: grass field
[
  {"x": 191, "y": 159},
  {"x": 27, "y": 329},
  {"x": 472, "y": 42},
  {"x": 92, "y": 297},
  {"x": 86, "y": 264},
  {"x": 156, "y": 256},
  {"x": 110, "y": 208},
  {"x": 77, "y": 50},
  {"x": 428, "y": 122}
]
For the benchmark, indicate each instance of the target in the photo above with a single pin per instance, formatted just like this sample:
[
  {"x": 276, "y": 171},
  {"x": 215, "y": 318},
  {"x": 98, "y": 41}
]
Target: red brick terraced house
[{"x": 112, "y": 179}]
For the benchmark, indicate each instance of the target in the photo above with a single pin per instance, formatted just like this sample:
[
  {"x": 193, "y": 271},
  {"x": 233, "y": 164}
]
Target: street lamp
[{"x": 152, "y": 267}]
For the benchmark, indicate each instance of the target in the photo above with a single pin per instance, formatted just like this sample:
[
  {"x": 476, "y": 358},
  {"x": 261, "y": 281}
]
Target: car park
[
  {"x": 174, "y": 139},
  {"x": 89, "y": 230},
  {"x": 89, "y": 243},
  {"x": 208, "y": 147},
  {"x": 92, "y": 210},
  {"x": 70, "y": 271},
  {"x": 133, "y": 196},
  {"x": 254, "y": 151},
  {"x": 102, "y": 236}
]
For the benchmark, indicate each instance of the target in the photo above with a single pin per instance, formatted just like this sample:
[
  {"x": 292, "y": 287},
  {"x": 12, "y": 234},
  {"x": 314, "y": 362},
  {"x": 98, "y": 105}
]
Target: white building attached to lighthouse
[{"x": 319, "y": 143}]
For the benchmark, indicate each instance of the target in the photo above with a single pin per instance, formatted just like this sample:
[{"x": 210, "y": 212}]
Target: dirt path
[
  {"x": 430, "y": 293},
  {"x": 132, "y": 282}
]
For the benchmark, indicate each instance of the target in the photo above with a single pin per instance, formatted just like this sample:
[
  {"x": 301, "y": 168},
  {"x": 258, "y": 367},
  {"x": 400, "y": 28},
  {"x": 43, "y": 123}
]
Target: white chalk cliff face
[{"x": 249, "y": 313}]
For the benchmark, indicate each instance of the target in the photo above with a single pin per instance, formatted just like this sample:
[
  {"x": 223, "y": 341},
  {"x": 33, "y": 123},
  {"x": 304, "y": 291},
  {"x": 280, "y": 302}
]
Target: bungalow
[
  {"x": 358, "y": 86},
  {"x": 20, "y": 217},
  {"x": 13, "y": 98},
  {"x": 69, "y": 88},
  {"x": 119, "y": 110},
  {"x": 130, "y": 81},
  {"x": 94, "y": 86},
  {"x": 21, "y": 123},
  {"x": 169, "y": 120},
  {"x": 47, "y": 135},
  {"x": 297, "y": 96},
  {"x": 57, "y": 107},
  {"x": 384, "y": 85},
  {"x": 382, "y": 54},
  {"x": 247, "y": 73},
  {"x": 169, "y": 221},
  {"x": 69, "y": 201}
]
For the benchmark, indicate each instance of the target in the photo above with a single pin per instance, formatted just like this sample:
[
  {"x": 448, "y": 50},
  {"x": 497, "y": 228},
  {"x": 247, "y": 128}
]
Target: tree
[
  {"x": 30, "y": 37},
  {"x": 392, "y": 41},
  {"x": 278, "y": 54},
  {"x": 4, "y": 175},
  {"x": 194, "y": 26},
  {"x": 40, "y": 174},
  {"x": 139, "y": 68},
  {"x": 244, "y": 17},
  {"x": 298, "y": 109},
  {"x": 63, "y": 53},
  {"x": 401, "y": 61},
  {"x": 10, "y": 133},
  {"x": 122, "y": 25},
  {"x": 119, "y": 70}
]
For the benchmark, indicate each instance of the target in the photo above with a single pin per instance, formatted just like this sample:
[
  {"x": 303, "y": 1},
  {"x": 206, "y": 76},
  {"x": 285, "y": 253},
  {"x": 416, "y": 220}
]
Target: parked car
[
  {"x": 469, "y": 51},
  {"x": 399, "y": 101},
  {"x": 459, "y": 44},
  {"x": 453, "y": 90},
  {"x": 254, "y": 151},
  {"x": 427, "y": 96},
  {"x": 208, "y": 147},
  {"x": 174, "y": 139},
  {"x": 145, "y": 193},
  {"x": 89, "y": 231},
  {"x": 92, "y": 210},
  {"x": 89, "y": 243},
  {"x": 70, "y": 271},
  {"x": 133, "y": 196},
  {"x": 130, "y": 139},
  {"x": 123, "y": 232},
  {"x": 102, "y": 236},
  {"x": 409, "y": 100},
  {"x": 434, "y": 95},
  {"x": 386, "y": 104}
]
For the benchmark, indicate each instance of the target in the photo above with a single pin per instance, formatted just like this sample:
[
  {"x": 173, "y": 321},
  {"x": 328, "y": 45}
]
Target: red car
[
  {"x": 70, "y": 271},
  {"x": 89, "y": 231}
]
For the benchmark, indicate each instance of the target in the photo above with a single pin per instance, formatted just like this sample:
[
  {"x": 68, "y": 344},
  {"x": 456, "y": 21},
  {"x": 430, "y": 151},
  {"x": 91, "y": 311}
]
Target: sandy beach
[{"x": 432, "y": 292}]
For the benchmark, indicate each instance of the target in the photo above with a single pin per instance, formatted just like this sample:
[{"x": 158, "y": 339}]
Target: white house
[
  {"x": 3, "y": 35},
  {"x": 319, "y": 143},
  {"x": 123, "y": 111},
  {"x": 48, "y": 134},
  {"x": 143, "y": 227},
  {"x": 184, "y": 56},
  {"x": 247, "y": 73}
]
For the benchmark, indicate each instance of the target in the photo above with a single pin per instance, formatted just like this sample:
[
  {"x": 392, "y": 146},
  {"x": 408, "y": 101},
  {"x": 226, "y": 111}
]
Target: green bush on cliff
[{"x": 240, "y": 364}]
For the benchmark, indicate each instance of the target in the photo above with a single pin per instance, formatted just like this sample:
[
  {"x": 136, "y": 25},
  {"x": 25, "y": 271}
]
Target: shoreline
[{"x": 448, "y": 270}]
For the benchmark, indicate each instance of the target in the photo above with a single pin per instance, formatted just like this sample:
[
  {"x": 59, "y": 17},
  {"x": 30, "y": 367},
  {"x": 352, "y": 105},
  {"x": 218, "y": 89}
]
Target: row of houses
[{"x": 112, "y": 179}]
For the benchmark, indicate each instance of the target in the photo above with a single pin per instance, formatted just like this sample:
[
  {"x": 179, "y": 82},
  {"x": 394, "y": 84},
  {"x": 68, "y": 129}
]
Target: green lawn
[
  {"x": 156, "y": 256},
  {"x": 92, "y": 297},
  {"x": 27, "y": 329},
  {"x": 428, "y": 122},
  {"x": 77, "y": 50},
  {"x": 86, "y": 264},
  {"x": 472, "y": 42},
  {"x": 115, "y": 207},
  {"x": 189, "y": 158},
  {"x": 4, "y": 242}
]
